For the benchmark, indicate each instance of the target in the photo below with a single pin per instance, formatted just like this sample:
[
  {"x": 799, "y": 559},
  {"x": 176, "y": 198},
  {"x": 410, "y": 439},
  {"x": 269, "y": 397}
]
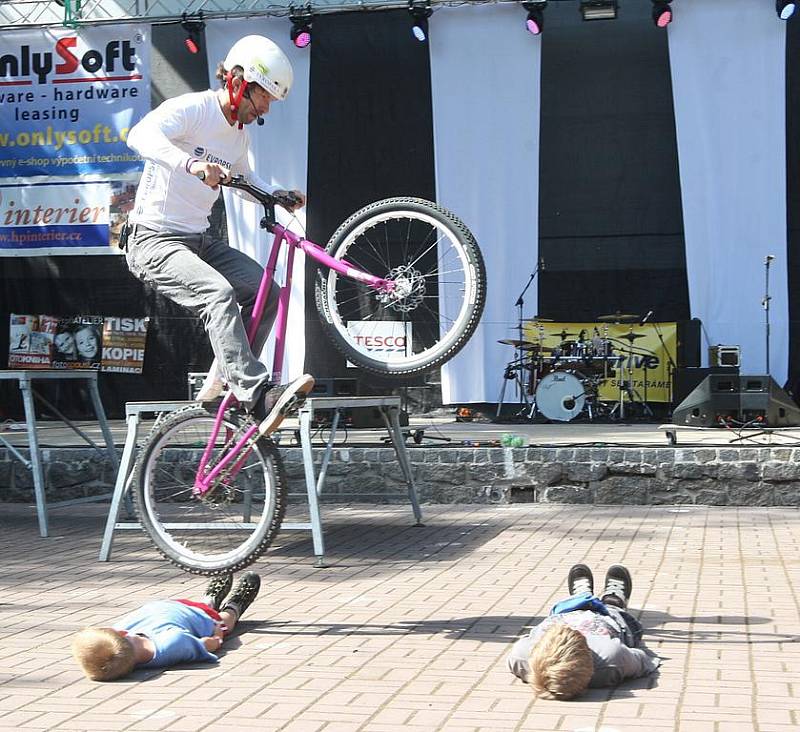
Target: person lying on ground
[
  {"x": 163, "y": 633},
  {"x": 586, "y": 641}
]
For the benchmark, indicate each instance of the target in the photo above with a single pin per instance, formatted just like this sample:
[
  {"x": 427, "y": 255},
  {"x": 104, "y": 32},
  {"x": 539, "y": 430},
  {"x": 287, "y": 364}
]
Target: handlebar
[{"x": 266, "y": 199}]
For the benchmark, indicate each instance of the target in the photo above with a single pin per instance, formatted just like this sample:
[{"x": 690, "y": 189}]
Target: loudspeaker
[
  {"x": 722, "y": 398},
  {"x": 684, "y": 381},
  {"x": 688, "y": 345}
]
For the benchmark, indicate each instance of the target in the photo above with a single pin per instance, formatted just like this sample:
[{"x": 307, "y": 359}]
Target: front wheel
[
  {"x": 233, "y": 523},
  {"x": 439, "y": 293}
]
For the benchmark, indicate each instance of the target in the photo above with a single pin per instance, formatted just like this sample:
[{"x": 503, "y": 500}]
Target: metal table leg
[
  {"x": 120, "y": 487},
  {"x": 36, "y": 458},
  {"x": 311, "y": 487},
  {"x": 393, "y": 425}
]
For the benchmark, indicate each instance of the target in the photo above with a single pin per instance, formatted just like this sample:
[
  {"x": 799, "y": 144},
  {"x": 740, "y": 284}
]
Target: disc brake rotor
[{"x": 408, "y": 291}]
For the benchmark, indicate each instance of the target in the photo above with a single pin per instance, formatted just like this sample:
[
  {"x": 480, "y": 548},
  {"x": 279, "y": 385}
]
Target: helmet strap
[{"x": 236, "y": 99}]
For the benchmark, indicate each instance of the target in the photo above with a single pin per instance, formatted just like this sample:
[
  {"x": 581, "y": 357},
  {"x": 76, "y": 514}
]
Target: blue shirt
[{"x": 175, "y": 629}]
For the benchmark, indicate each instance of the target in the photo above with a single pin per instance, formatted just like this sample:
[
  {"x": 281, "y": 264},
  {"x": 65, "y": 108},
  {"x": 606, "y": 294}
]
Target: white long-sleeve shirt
[{"x": 180, "y": 129}]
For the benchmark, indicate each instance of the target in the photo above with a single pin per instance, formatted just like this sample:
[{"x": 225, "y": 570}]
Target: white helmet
[{"x": 263, "y": 63}]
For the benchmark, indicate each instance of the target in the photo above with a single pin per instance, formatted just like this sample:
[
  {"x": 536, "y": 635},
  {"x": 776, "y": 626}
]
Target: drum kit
[{"x": 560, "y": 374}]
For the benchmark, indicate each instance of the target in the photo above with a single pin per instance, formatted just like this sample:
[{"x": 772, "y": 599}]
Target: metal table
[
  {"x": 26, "y": 379},
  {"x": 389, "y": 408}
]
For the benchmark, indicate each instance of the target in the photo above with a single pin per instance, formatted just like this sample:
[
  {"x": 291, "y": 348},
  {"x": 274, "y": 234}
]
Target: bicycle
[{"x": 209, "y": 490}]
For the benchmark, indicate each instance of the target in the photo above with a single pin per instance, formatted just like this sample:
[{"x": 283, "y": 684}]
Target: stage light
[
  {"x": 599, "y": 9},
  {"x": 535, "y": 20},
  {"x": 301, "y": 27},
  {"x": 420, "y": 11},
  {"x": 662, "y": 13},
  {"x": 193, "y": 29},
  {"x": 785, "y": 8}
]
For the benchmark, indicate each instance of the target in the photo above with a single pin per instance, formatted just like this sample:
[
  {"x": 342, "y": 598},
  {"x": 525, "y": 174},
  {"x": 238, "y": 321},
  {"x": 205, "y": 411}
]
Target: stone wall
[{"x": 743, "y": 476}]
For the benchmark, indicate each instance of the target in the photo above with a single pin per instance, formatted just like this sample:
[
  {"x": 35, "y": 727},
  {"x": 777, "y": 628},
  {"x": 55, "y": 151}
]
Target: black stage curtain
[
  {"x": 610, "y": 215},
  {"x": 793, "y": 201},
  {"x": 370, "y": 134}
]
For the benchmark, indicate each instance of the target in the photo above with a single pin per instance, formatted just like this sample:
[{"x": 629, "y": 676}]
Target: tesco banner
[
  {"x": 68, "y": 99},
  {"x": 391, "y": 339}
]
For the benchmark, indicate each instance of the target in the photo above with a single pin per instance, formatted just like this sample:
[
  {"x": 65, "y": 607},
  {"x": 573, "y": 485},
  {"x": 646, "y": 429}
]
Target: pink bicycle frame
[{"x": 235, "y": 457}]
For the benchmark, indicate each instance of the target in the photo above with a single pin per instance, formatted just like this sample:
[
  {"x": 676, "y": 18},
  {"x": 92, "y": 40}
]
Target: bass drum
[{"x": 560, "y": 396}]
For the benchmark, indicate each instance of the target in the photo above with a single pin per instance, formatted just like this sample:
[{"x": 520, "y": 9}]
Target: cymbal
[
  {"x": 633, "y": 336},
  {"x": 618, "y": 318},
  {"x": 518, "y": 344}
]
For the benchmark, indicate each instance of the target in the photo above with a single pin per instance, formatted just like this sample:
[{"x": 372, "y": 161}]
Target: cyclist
[{"x": 190, "y": 144}]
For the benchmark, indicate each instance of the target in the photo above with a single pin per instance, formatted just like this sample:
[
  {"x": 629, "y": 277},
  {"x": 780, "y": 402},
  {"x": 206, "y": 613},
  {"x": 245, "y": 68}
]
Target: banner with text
[
  {"x": 63, "y": 218},
  {"x": 78, "y": 342},
  {"x": 612, "y": 354},
  {"x": 69, "y": 97}
]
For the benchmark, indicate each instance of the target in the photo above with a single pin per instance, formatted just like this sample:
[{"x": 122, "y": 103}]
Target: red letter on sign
[{"x": 70, "y": 62}]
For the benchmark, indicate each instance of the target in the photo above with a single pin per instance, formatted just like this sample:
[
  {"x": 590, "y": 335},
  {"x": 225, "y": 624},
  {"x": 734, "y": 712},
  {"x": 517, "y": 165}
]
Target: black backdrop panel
[
  {"x": 101, "y": 285},
  {"x": 610, "y": 221},
  {"x": 370, "y": 133},
  {"x": 793, "y": 201}
]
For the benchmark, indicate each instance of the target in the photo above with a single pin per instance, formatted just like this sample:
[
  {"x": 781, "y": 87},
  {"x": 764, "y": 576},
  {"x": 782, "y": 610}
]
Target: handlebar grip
[{"x": 288, "y": 198}]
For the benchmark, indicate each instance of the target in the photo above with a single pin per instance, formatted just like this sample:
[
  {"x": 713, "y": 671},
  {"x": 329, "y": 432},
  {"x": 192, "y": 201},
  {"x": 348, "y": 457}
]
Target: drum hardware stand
[
  {"x": 512, "y": 372},
  {"x": 626, "y": 384},
  {"x": 766, "y": 301}
]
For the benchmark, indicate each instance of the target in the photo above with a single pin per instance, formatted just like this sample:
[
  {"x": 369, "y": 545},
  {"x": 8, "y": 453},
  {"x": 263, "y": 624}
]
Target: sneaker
[
  {"x": 273, "y": 406},
  {"x": 210, "y": 391},
  {"x": 243, "y": 595},
  {"x": 580, "y": 579},
  {"x": 218, "y": 590},
  {"x": 619, "y": 586},
  {"x": 212, "y": 385}
]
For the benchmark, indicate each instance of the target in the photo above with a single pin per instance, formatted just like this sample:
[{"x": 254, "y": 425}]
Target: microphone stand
[
  {"x": 766, "y": 301},
  {"x": 519, "y": 304}
]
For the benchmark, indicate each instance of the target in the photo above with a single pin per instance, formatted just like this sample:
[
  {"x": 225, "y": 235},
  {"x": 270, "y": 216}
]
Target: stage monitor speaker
[
  {"x": 722, "y": 398},
  {"x": 684, "y": 381}
]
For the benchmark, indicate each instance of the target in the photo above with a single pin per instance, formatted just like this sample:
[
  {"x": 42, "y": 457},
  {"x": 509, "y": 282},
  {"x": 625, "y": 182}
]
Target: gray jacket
[{"x": 607, "y": 637}]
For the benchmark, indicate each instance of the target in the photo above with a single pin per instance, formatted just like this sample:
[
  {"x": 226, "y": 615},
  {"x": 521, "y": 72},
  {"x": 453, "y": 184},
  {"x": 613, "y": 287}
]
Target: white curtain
[
  {"x": 728, "y": 74},
  {"x": 280, "y": 156},
  {"x": 485, "y": 71}
]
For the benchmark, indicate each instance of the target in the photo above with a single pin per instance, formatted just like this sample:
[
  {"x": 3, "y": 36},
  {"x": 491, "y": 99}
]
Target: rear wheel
[
  {"x": 439, "y": 293},
  {"x": 229, "y": 527}
]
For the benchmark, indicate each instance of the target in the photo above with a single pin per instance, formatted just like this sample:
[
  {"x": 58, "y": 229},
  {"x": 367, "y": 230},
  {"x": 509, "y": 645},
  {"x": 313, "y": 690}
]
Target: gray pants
[{"x": 212, "y": 280}]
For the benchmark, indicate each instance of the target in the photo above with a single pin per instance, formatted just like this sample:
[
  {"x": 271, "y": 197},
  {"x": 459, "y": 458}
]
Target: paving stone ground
[{"x": 409, "y": 627}]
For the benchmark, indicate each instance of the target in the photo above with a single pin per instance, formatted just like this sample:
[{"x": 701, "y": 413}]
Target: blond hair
[
  {"x": 561, "y": 663},
  {"x": 103, "y": 654}
]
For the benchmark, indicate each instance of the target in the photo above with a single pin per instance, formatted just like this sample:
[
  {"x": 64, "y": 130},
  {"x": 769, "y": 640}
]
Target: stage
[{"x": 444, "y": 431}]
